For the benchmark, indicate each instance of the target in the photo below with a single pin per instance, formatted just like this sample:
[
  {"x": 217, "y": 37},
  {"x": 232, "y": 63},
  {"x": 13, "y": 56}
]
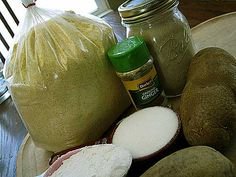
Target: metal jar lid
[{"x": 133, "y": 11}]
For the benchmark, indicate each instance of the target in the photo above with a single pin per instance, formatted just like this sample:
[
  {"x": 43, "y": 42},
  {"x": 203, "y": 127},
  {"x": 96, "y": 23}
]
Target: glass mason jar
[{"x": 168, "y": 37}]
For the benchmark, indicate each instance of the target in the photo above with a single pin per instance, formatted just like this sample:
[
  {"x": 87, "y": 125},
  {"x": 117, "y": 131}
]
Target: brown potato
[
  {"x": 198, "y": 161},
  {"x": 208, "y": 102}
]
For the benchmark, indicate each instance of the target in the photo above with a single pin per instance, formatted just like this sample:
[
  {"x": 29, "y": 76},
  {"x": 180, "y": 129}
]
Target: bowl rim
[{"x": 59, "y": 162}]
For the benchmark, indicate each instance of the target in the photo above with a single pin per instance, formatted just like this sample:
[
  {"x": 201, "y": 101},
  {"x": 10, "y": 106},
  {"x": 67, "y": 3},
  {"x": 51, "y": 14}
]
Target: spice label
[{"x": 145, "y": 89}]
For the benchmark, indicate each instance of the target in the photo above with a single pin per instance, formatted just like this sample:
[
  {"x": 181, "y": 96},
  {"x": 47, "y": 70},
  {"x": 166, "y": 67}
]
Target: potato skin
[
  {"x": 198, "y": 161},
  {"x": 208, "y": 102}
]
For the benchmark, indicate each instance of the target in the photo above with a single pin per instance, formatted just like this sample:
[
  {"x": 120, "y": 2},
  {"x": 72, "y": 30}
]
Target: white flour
[
  {"x": 146, "y": 131},
  {"x": 104, "y": 160}
]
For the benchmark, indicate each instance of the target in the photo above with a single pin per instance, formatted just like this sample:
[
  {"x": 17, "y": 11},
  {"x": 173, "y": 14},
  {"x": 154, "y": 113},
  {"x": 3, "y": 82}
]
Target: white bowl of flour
[{"x": 104, "y": 160}]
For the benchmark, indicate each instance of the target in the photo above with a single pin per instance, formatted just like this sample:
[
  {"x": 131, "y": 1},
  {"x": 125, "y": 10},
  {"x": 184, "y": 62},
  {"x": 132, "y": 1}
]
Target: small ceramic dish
[{"x": 141, "y": 140}]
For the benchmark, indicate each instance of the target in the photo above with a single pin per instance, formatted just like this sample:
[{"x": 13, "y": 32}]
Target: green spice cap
[{"x": 129, "y": 54}]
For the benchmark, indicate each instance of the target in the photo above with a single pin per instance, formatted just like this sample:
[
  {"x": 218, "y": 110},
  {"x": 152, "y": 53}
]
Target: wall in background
[{"x": 114, "y": 4}]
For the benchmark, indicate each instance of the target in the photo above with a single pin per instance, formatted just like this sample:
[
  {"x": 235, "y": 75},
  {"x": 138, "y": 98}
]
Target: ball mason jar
[{"x": 168, "y": 37}]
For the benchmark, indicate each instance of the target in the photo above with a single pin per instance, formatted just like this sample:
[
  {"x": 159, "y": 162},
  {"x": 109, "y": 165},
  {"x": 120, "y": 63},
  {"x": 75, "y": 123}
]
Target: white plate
[{"x": 217, "y": 32}]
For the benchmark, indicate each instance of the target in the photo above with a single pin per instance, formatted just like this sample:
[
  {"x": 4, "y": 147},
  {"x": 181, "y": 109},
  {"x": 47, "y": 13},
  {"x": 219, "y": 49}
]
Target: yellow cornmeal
[{"x": 62, "y": 84}]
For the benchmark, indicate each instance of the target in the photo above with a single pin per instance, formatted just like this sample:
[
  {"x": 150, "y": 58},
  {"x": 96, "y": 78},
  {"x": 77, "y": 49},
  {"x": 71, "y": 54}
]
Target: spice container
[
  {"x": 168, "y": 36},
  {"x": 134, "y": 65}
]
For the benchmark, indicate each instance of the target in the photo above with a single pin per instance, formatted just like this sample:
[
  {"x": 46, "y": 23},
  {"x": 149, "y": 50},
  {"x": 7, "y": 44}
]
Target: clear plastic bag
[{"x": 60, "y": 80}]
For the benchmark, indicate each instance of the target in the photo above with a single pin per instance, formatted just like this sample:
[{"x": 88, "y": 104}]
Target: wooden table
[{"x": 12, "y": 130}]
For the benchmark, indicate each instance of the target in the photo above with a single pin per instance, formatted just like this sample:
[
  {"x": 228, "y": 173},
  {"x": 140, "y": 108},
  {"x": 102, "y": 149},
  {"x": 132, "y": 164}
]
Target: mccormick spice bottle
[{"x": 134, "y": 65}]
